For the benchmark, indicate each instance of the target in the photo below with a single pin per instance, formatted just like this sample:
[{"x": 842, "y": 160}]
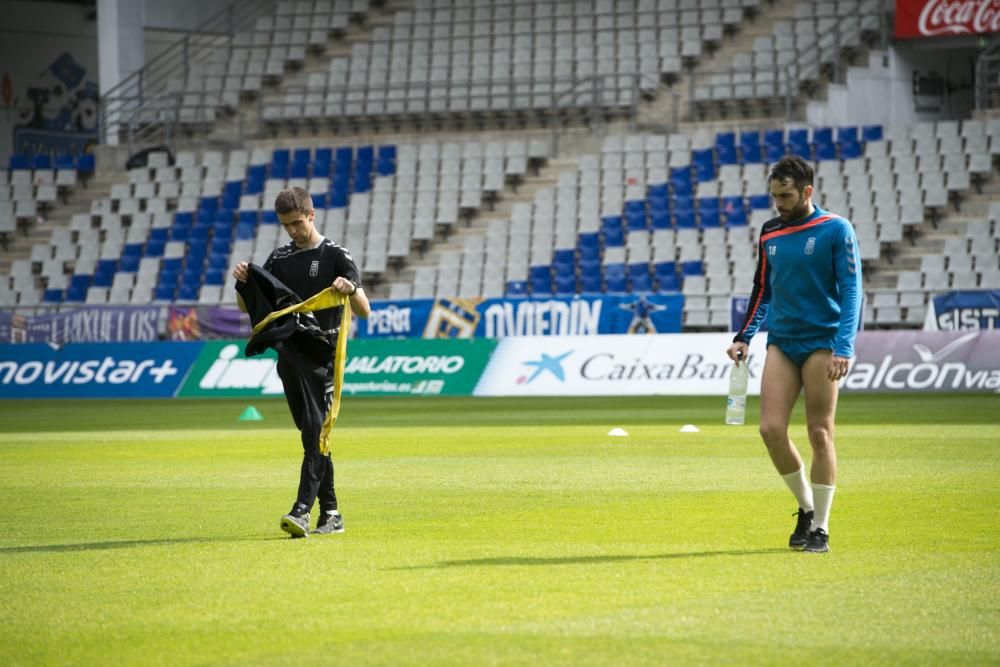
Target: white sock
[
  {"x": 824, "y": 499},
  {"x": 799, "y": 486}
]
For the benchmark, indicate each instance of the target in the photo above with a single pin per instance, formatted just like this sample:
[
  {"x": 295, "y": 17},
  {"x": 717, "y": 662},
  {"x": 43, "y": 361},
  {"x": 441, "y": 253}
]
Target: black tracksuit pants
[{"x": 309, "y": 395}]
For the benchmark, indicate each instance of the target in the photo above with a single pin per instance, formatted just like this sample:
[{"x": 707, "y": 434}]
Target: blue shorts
[{"x": 799, "y": 349}]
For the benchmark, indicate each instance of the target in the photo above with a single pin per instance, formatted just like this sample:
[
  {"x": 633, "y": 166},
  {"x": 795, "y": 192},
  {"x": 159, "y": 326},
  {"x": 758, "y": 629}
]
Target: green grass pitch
[{"x": 504, "y": 531}]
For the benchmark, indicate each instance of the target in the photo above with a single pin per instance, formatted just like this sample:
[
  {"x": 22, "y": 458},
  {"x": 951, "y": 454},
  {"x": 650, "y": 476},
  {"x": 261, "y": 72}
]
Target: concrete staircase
[{"x": 930, "y": 239}]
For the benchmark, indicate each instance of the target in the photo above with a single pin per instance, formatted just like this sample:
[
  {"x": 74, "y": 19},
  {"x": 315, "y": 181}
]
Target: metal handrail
[{"x": 988, "y": 78}]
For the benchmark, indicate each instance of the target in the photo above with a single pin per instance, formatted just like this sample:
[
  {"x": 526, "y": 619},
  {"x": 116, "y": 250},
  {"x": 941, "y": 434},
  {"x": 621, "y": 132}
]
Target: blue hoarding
[
  {"x": 502, "y": 318},
  {"x": 94, "y": 370}
]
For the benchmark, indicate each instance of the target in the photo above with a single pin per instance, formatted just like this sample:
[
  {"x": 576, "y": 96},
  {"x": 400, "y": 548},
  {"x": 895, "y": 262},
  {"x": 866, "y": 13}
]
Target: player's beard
[{"x": 799, "y": 211}]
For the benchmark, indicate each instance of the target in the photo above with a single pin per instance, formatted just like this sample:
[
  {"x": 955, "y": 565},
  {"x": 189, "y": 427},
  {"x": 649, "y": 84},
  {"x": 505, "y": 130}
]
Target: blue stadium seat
[
  {"x": 657, "y": 192},
  {"x": 172, "y": 264},
  {"x": 590, "y": 280},
  {"x": 41, "y": 161},
  {"x": 231, "y": 192},
  {"x": 871, "y": 133},
  {"x": 224, "y": 216},
  {"x": 159, "y": 234},
  {"x": 615, "y": 278},
  {"x": 564, "y": 261},
  {"x": 725, "y": 148},
  {"x": 76, "y": 294},
  {"x": 825, "y": 151},
  {"x": 128, "y": 264},
  {"x": 56, "y": 295},
  {"x": 666, "y": 276},
  {"x": 798, "y": 143},
  {"x": 65, "y": 161},
  {"x": 246, "y": 231},
  {"x": 659, "y": 218},
  {"x": 774, "y": 145},
  {"x": 106, "y": 267},
  {"x": 516, "y": 288},
  {"x": 758, "y": 202},
  {"x": 612, "y": 230},
  {"x": 692, "y": 268},
  {"x": 684, "y": 214},
  {"x": 248, "y": 217},
  {"x": 180, "y": 232},
  {"x": 222, "y": 230},
  {"x": 154, "y": 247},
  {"x": 703, "y": 162},
  {"x": 750, "y": 147},
  {"x": 199, "y": 234},
  {"x": 187, "y": 292},
  {"x": 302, "y": 156},
  {"x": 362, "y": 181},
  {"x": 589, "y": 246},
  {"x": 320, "y": 201},
  {"x": 321, "y": 169},
  {"x": 165, "y": 292},
  {"x": 386, "y": 165},
  {"x": 280, "y": 156},
  {"x": 299, "y": 170},
  {"x": 565, "y": 285},
  {"x": 822, "y": 135},
  {"x": 103, "y": 278},
  {"x": 734, "y": 210},
  {"x": 708, "y": 212},
  {"x": 635, "y": 215},
  {"x": 18, "y": 161},
  {"x": 540, "y": 278},
  {"x": 681, "y": 181},
  {"x": 850, "y": 150},
  {"x": 210, "y": 204},
  {"x": 256, "y": 175},
  {"x": 221, "y": 245},
  {"x": 269, "y": 217},
  {"x": 215, "y": 277},
  {"x": 847, "y": 133},
  {"x": 218, "y": 261},
  {"x": 195, "y": 254},
  {"x": 638, "y": 276},
  {"x": 80, "y": 280}
]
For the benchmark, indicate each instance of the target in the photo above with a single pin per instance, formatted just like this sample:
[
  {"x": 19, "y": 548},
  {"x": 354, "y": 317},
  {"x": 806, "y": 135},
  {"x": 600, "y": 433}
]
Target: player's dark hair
[
  {"x": 794, "y": 168},
  {"x": 293, "y": 200}
]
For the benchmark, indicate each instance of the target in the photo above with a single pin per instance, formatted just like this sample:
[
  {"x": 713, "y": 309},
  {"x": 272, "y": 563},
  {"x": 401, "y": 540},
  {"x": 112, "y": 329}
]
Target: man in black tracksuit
[{"x": 307, "y": 265}]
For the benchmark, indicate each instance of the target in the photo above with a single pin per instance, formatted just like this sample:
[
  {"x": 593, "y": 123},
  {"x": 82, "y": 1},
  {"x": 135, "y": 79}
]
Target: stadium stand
[{"x": 646, "y": 212}]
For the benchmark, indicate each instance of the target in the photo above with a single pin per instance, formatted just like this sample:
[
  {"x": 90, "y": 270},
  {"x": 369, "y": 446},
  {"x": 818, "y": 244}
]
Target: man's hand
[
  {"x": 740, "y": 349},
  {"x": 837, "y": 367},
  {"x": 241, "y": 272},
  {"x": 344, "y": 286}
]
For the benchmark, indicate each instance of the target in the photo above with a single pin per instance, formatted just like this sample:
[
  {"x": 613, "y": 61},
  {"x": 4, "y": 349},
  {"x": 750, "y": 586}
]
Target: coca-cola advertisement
[{"x": 946, "y": 18}]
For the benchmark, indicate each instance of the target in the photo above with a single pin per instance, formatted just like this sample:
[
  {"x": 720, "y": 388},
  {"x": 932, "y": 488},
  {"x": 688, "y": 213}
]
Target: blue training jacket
[{"x": 808, "y": 282}]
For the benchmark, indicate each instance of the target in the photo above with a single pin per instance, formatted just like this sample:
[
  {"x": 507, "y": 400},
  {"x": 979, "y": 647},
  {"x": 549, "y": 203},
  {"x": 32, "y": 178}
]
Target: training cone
[
  {"x": 251, "y": 414},
  {"x": 620, "y": 432},
  {"x": 689, "y": 428}
]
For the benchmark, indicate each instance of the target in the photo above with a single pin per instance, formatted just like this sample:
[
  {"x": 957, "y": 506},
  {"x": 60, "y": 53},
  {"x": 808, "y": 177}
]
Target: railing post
[{"x": 691, "y": 94}]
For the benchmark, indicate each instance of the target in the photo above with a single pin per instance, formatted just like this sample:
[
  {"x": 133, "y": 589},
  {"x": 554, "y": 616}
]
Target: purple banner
[
  {"x": 204, "y": 322},
  {"x": 89, "y": 324},
  {"x": 925, "y": 361}
]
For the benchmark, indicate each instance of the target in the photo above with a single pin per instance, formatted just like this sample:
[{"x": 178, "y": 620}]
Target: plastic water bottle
[{"x": 736, "y": 405}]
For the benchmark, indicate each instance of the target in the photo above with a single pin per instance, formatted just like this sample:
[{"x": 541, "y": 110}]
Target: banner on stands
[
  {"x": 87, "y": 324},
  {"x": 964, "y": 311},
  {"x": 674, "y": 364},
  {"x": 206, "y": 322},
  {"x": 94, "y": 370},
  {"x": 373, "y": 368},
  {"x": 946, "y": 18},
  {"x": 504, "y": 318}
]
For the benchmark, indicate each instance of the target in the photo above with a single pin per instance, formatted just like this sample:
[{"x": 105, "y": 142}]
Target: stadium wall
[
  {"x": 49, "y": 74},
  {"x": 665, "y": 364}
]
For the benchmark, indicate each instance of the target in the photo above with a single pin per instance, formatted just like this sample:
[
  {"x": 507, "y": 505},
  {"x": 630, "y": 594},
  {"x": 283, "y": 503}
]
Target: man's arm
[
  {"x": 847, "y": 268},
  {"x": 356, "y": 296},
  {"x": 760, "y": 297}
]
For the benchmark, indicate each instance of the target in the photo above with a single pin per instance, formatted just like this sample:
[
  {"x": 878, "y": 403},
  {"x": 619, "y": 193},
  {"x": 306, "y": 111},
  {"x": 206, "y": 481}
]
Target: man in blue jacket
[{"x": 808, "y": 288}]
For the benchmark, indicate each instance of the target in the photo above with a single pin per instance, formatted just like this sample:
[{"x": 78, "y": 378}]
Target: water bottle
[{"x": 736, "y": 405}]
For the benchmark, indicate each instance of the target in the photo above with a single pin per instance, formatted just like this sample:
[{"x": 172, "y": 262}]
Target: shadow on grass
[
  {"x": 587, "y": 560},
  {"x": 128, "y": 544}
]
